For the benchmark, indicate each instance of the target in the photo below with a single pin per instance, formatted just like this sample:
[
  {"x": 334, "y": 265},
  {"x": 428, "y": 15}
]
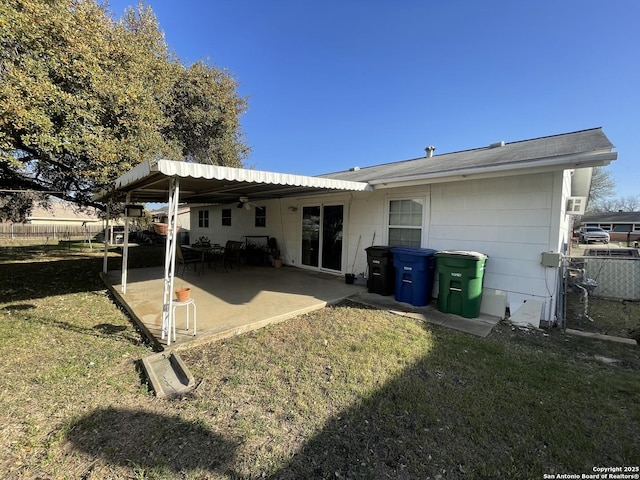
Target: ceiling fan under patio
[{"x": 243, "y": 202}]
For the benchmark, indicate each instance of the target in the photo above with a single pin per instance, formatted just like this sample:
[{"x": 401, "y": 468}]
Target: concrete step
[{"x": 169, "y": 375}]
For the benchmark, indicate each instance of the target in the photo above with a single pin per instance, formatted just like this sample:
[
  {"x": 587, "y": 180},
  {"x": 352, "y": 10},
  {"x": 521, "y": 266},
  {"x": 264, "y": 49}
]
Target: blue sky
[{"x": 336, "y": 84}]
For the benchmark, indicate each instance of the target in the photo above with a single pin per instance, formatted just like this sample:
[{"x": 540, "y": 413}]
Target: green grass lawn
[{"x": 345, "y": 392}]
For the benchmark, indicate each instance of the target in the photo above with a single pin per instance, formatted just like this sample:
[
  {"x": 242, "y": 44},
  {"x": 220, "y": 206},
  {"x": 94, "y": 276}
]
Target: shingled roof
[
  {"x": 59, "y": 210},
  {"x": 583, "y": 148},
  {"x": 611, "y": 217}
]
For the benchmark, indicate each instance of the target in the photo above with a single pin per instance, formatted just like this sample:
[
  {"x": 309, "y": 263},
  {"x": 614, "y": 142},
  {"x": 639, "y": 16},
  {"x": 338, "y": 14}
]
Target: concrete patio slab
[
  {"x": 249, "y": 298},
  {"x": 244, "y": 299}
]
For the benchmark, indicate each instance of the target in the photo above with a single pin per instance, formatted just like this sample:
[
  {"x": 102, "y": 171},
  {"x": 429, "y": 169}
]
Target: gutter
[{"x": 558, "y": 163}]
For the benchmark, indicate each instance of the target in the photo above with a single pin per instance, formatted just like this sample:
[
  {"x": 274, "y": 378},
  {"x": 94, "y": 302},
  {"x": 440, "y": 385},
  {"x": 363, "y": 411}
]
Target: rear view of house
[{"x": 512, "y": 201}]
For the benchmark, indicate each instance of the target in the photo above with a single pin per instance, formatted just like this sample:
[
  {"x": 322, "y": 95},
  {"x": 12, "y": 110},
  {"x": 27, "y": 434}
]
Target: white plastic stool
[{"x": 186, "y": 304}]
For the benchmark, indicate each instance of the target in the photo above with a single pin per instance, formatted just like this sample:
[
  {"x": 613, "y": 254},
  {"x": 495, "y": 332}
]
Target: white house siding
[
  {"x": 366, "y": 228},
  {"x": 512, "y": 220},
  {"x": 284, "y": 220},
  {"x": 242, "y": 222}
]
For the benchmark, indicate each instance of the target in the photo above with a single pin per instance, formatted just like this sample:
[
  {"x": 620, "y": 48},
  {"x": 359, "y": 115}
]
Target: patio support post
[
  {"x": 170, "y": 258},
  {"x": 125, "y": 249},
  {"x": 106, "y": 240}
]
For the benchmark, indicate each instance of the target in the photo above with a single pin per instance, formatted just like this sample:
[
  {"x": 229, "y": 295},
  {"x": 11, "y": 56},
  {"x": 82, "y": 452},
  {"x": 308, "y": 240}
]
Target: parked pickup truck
[{"x": 593, "y": 234}]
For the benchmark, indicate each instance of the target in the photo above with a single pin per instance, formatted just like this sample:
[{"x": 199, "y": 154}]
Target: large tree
[
  {"x": 629, "y": 203},
  {"x": 203, "y": 112},
  {"x": 84, "y": 97},
  {"x": 602, "y": 195},
  {"x": 602, "y": 187}
]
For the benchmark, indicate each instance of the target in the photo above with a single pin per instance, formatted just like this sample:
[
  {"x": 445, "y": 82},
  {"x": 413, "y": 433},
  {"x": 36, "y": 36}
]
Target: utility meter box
[{"x": 551, "y": 259}]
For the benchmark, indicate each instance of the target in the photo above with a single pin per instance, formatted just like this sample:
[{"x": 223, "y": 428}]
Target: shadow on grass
[
  {"x": 26, "y": 281},
  {"x": 400, "y": 432},
  {"x": 148, "y": 255},
  {"x": 59, "y": 273},
  {"x": 106, "y": 330},
  {"x": 144, "y": 440},
  {"x": 474, "y": 409}
]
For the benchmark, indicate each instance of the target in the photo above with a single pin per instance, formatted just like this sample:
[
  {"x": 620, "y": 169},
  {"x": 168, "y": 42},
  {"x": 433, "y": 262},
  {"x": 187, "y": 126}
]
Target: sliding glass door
[{"x": 322, "y": 231}]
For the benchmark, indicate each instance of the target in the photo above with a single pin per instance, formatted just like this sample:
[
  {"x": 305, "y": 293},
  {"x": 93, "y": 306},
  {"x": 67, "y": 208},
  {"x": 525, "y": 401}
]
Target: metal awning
[
  {"x": 178, "y": 182},
  {"x": 149, "y": 182}
]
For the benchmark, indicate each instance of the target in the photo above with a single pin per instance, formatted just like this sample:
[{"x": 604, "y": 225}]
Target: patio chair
[
  {"x": 186, "y": 260},
  {"x": 232, "y": 254},
  {"x": 214, "y": 255}
]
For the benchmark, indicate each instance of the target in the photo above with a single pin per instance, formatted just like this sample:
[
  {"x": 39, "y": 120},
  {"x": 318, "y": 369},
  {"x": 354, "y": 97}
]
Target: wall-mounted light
[
  {"x": 292, "y": 208},
  {"x": 133, "y": 210}
]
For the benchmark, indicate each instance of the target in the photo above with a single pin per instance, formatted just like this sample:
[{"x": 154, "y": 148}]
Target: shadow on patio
[{"x": 230, "y": 303}]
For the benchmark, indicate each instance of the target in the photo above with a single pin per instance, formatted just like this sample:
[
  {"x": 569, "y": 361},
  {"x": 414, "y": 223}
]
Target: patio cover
[
  {"x": 174, "y": 182},
  {"x": 199, "y": 183}
]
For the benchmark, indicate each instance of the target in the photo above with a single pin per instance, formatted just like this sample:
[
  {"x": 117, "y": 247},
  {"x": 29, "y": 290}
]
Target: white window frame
[
  {"x": 260, "y": 214},
  {"x": 203, "y": 218},
  {"x": 423, "y": 226},
  {"x": 223, "y": 217}
]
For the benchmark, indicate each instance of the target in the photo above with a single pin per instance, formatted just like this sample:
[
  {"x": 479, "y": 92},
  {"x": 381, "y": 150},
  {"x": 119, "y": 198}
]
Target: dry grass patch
[{"x": 617, "y": 318}]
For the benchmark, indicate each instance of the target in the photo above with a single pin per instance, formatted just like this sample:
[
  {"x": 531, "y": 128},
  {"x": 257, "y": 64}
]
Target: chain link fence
[
  {"x": 612, "y": 306},
  {"x": 615, "y": 278}
]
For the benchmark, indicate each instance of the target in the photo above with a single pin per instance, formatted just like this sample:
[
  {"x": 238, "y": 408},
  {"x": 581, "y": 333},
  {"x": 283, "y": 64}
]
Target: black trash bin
[{"x": 381, "y": 271}]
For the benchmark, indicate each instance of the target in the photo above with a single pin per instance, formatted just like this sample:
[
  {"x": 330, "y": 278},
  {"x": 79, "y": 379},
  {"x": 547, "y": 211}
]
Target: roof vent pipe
[
  {"x": 497, "y": 144},
  {"x": 429, "y": 150}
]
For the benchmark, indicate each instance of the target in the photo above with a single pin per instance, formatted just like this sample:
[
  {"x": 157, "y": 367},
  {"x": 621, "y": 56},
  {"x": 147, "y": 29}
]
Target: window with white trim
[
  {"x": 203, "y": 218},
  {"x": 405, "y": 222},
  {"x": 261, "y": 217},
  {"x": 226, "y": 217}
]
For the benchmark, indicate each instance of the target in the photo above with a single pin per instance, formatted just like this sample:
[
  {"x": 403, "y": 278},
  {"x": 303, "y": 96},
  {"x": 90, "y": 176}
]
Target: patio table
[{"x": 203, "y": 250}]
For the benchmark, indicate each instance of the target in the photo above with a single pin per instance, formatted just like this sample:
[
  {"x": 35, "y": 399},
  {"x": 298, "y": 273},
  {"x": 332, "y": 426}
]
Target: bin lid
[
  {"x": 378, "y": 248},
  {"x": 416, "y": 251},
  {"x": 461, "y": 253}
]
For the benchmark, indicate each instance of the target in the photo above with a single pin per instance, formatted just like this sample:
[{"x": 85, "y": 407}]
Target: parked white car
[{"x": 593, "y": 234}]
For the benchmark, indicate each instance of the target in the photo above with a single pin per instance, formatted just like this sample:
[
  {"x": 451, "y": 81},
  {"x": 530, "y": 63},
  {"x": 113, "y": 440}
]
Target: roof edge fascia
[{"x": 593, "y": 159}]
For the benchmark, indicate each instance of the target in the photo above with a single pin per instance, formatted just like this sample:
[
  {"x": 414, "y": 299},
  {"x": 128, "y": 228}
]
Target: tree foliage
[
  {"x": 629, "y": 203},
  {"x": 83, "y": 98},
  {"x": 204, "y": 110},
  {"x": 602, "y": 191},
  {"x": 602, "y": 187}
]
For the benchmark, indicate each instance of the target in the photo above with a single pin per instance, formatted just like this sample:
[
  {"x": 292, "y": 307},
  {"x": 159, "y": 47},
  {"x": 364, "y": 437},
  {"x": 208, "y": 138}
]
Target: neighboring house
[
  {"x": 622, "y": 226},
  {"x": 62, "y": 220},
  {"x": 184, "y": 221},
  {"x": 507, "y": 200},
  {"x": 184, "y": 216},
  {"x": 63, "y": 213}
]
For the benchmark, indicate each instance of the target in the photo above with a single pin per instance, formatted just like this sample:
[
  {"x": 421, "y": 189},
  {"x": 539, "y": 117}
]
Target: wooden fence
[{"x": 12, "y": 231}]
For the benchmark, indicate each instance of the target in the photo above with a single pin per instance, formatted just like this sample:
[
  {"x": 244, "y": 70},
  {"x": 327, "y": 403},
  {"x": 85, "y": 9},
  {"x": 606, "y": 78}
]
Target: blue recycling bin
[{"x": 414, "y": 268}]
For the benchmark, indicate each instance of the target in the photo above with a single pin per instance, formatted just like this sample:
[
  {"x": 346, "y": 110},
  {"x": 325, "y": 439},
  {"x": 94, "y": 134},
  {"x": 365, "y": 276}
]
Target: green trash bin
[{"x": 460, "y": 277}]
